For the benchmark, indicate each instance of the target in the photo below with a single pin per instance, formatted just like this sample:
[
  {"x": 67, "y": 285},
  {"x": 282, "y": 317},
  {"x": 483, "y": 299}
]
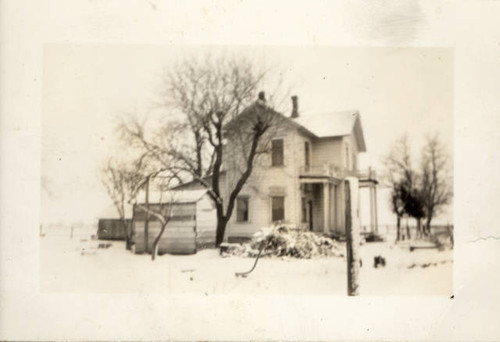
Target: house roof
[
  {"x": 326, "y": 125},
  {"x": 335, "y": 124},
  {"x": 248, "y": 111}
]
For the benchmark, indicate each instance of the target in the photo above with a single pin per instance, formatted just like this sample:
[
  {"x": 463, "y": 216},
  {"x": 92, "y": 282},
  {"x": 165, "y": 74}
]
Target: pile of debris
[{"x": 286, "y": 241}]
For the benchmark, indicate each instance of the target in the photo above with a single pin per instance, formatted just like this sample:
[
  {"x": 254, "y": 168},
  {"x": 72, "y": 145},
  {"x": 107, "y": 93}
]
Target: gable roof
[
  {"x": 336, "y": 124},
  {"x": 259, "y": 105},
  {"x": 327, "y": 125}
]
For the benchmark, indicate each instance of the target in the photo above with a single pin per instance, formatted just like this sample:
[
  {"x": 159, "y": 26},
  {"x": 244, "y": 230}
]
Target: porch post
[
  {"x": 326, "y": 207},
  {"x": 372, "y": 211}
]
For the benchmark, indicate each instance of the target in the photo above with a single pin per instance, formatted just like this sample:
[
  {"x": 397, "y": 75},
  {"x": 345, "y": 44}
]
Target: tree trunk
[
  {"x": 408, "y": 231},
  {"x": 127, "y": 229},
  {"x": 219, "y": 233},
  {"x": 398, "y": 228},
  {"x": 157, "y": 241},
  {"x": 428, "y": 225},
  {"x": 419, "y": 229},
  {"x": 128, "y": 243}
]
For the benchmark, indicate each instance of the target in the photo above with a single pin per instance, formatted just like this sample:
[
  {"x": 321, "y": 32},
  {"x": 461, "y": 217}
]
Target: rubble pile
[{"x": 285, "y": 241}]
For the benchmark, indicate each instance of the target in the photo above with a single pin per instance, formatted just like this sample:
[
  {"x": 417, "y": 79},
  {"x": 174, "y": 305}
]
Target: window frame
[
  {"x": 247, "y": 199},
  {"x": 307, "y": 155},
  {"x": 273, "y": 210},
  {"x": 282, "y": 153}
]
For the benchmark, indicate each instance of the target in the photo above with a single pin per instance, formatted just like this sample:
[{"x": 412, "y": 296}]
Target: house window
[
  {"x": 277, "y": 152},
  {"x": 242, "y": 209},
  {"x": 278, "y": 208},
  {"x": 304, "y": 209},
  {"x": 307, "y": 155}
]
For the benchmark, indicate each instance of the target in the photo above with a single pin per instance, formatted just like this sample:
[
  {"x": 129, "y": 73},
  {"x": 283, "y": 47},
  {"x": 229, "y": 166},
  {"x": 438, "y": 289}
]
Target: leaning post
[{"x": 352, "y": 235}]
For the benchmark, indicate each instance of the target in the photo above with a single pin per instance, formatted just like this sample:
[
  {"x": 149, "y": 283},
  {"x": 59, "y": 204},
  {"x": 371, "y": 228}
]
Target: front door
[{"x": 310, "y": 209}]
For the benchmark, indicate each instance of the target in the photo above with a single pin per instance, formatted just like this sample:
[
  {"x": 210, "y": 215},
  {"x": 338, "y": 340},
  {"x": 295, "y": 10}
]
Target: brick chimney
[{"x": 295, "y": 106}]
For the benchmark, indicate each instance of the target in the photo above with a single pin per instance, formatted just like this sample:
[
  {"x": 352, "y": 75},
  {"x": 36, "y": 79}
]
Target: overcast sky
[{"x": 86, "y": 88}]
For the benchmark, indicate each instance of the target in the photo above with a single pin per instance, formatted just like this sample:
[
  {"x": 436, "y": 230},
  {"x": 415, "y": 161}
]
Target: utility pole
[{"x": 352, "y": 237}]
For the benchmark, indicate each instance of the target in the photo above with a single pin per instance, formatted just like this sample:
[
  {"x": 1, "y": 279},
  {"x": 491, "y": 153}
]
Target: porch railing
[{"x": 332, "y": 170}]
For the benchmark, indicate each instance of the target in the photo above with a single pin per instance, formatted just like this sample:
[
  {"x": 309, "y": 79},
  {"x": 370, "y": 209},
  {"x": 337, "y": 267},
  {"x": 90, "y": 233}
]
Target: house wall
[
  {"x": 267, "y": 181},
  {"x": 354, "y": 151},
  {"x": 206, "y": 222},
  {"x": 327, "y": 150}
]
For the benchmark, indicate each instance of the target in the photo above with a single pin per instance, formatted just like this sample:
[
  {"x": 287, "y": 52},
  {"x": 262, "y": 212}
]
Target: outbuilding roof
[{"x": 176, "y": 196}]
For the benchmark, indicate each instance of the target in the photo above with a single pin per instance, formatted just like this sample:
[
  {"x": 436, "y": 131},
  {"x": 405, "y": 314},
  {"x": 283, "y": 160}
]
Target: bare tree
[
  {"x": 412, "y": 198},
  {"x": 397, "y": 206},
  {"x": 401, "y": 178},
  {"x": 205, "y": 98},
  {"x": 437, "y": 181}
]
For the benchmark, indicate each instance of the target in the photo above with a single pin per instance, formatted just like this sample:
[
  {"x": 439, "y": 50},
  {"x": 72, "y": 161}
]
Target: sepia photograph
[{"x": 247, "y": 170}]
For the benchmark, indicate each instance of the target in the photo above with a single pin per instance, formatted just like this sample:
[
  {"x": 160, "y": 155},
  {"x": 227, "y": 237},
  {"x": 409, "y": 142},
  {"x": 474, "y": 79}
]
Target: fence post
[{"x": 352, "y": 236}]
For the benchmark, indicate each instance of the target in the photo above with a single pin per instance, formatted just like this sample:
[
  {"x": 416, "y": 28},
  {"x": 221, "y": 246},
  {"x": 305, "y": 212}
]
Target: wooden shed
[
  {"x": 191, "y": 226},
  {"x": 111, "y": 229}
]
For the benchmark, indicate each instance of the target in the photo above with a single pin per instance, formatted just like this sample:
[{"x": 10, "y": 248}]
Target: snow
[
  {"x": 64, "y": 268},
  {"x": 339, "y": 123}
]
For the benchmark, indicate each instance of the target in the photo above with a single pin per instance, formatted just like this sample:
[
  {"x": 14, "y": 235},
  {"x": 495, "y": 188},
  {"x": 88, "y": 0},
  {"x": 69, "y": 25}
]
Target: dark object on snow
[
  {"x": 374, "y": 237},
  {"x": 360, "y": 262},
  {"x": 104, "y": 245},
  {"x": 378, "y": 261},
  {"x": 412, "y": 248}
]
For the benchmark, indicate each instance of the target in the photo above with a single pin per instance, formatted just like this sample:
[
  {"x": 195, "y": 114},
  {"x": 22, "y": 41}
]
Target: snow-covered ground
[{"x": 64, "y": 268}]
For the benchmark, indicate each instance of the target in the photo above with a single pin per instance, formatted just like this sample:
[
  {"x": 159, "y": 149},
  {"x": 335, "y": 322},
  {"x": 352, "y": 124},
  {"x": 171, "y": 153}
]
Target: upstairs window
[
  {"x": 278, "y": 208},
  {"x": 277, "y": 152},
  {"x": 307, "y": 155},
  {"x": 242, "y": 209}
]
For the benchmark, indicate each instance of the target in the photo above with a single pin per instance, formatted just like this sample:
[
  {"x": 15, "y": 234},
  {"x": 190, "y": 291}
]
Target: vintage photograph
[{"x": 221, "y": 170}]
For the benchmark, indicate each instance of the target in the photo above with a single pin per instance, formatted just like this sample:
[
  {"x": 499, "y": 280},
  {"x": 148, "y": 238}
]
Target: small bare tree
[
  {"x": 437, "y": 180},
  {"x": 204, "y": 98},
  {"x": 125, "y": 178},
  {"x": 161, "y": 209},
  {"x": 122, "y": 183}
]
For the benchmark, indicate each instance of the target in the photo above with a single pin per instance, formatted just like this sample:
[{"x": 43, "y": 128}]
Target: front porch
[{"x": 323, "y": 197}]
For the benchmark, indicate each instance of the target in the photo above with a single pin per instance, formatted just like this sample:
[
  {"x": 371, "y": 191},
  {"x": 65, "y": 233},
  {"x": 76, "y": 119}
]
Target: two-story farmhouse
[{"x": 300, "y": 179}]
